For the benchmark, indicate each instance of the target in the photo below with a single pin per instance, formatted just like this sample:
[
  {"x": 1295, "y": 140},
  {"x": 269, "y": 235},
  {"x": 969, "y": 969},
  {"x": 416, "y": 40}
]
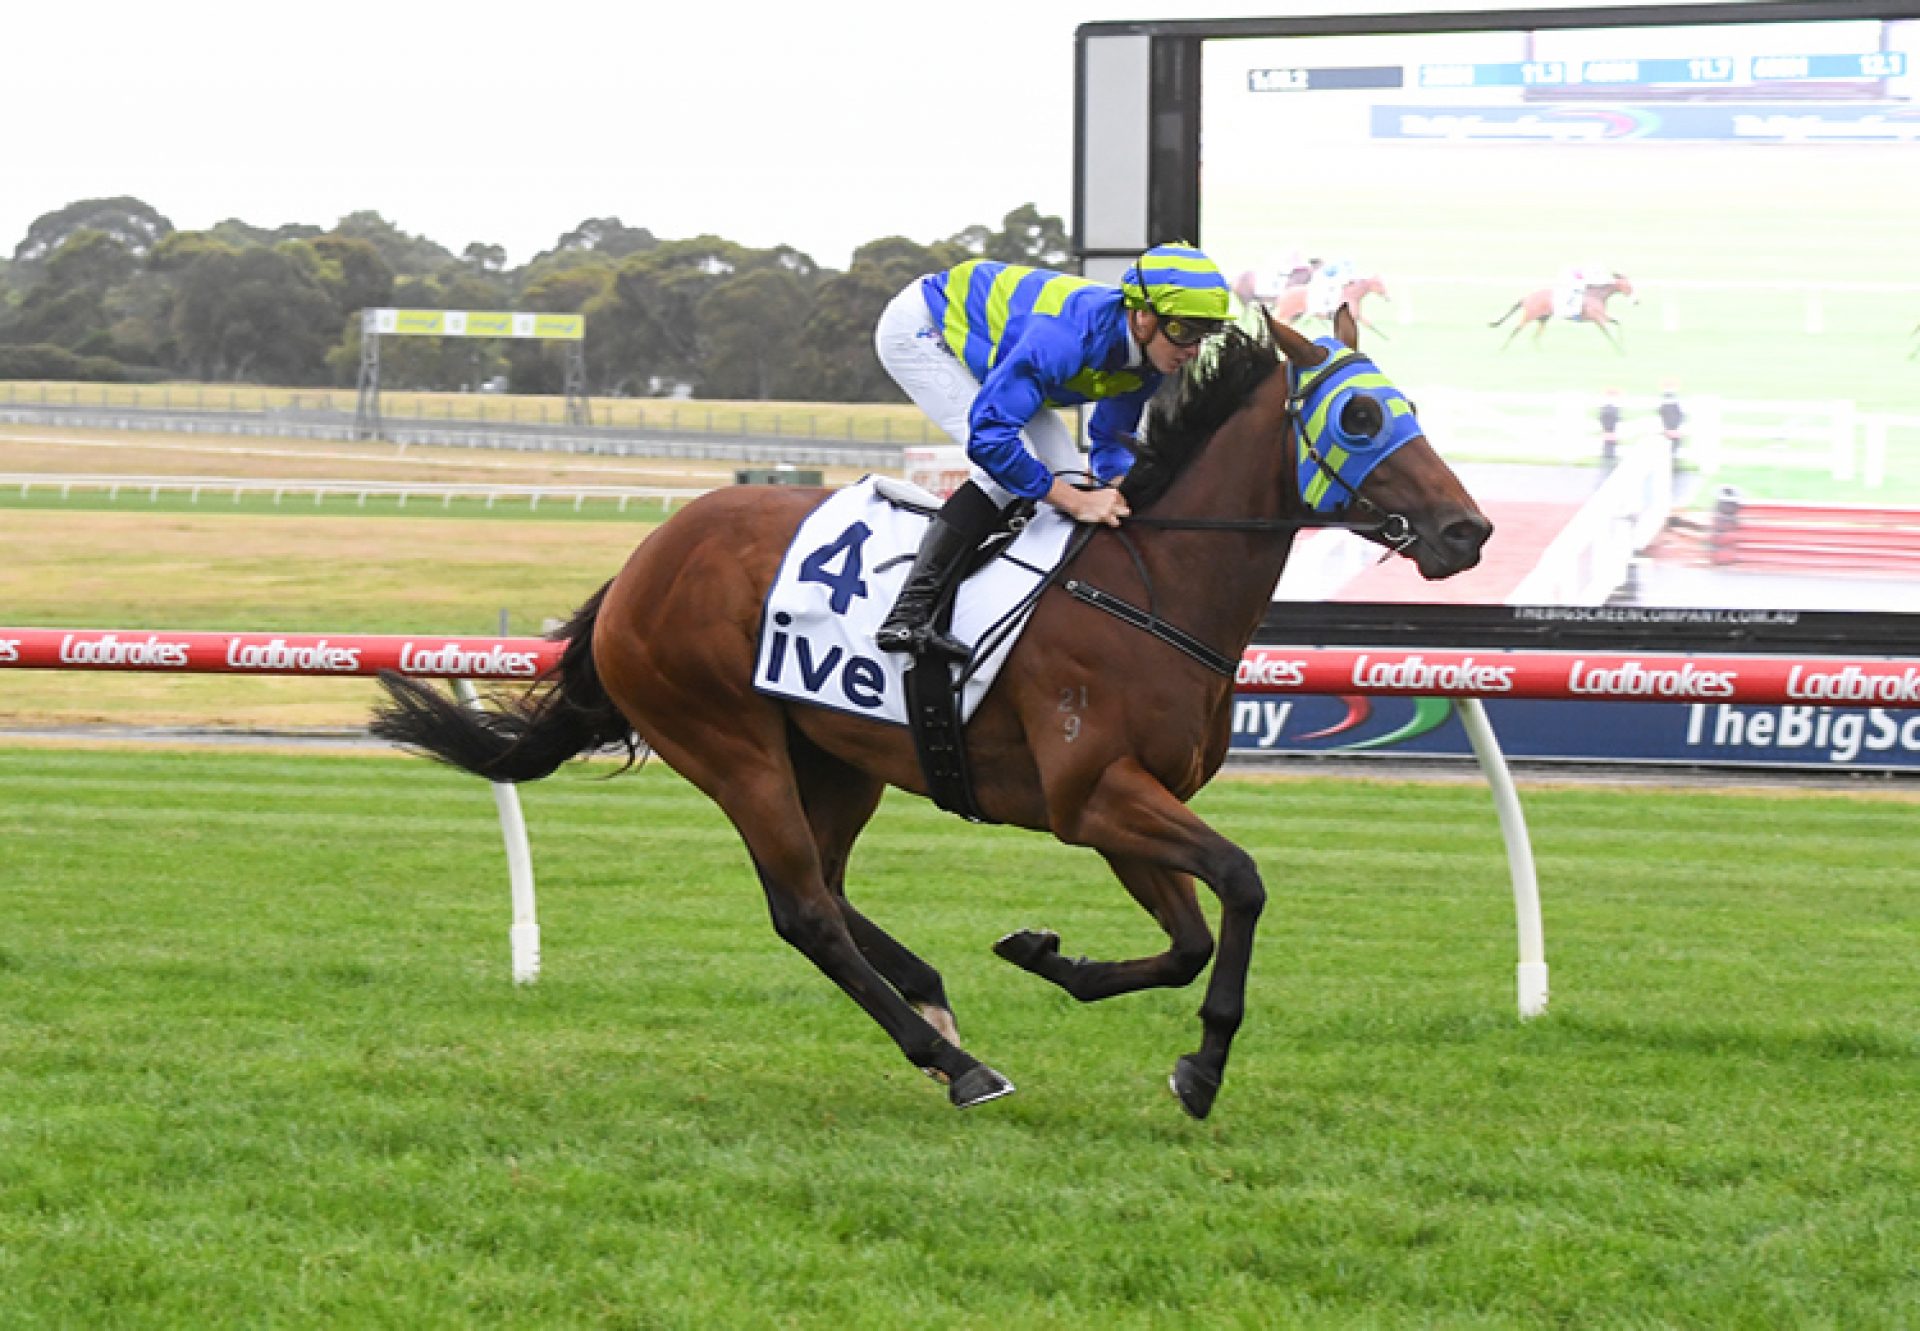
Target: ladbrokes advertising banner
[
  {"x": 277, "y": 653},
  {"x": 1861, "y": 713}
]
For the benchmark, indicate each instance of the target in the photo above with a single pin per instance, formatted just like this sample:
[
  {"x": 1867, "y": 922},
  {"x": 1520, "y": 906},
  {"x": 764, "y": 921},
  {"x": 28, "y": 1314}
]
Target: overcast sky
[{"x": 820, "y": 125}]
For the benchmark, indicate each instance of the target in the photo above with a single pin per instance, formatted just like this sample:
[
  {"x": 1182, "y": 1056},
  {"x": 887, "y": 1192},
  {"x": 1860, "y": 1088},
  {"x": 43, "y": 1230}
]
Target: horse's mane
[{"x": 1195, "y": 403}]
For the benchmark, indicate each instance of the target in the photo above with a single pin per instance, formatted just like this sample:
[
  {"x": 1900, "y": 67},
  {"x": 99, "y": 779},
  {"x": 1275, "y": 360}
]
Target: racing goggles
[
  {"x": 1187, "y": 332},
  {"x": 1179, "y": 329}
]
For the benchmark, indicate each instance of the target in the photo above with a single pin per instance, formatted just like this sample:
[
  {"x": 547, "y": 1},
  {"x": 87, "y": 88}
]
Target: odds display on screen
[
  {"x": 1727, "y": 71},
  {"x": 1694, "y": 71}
]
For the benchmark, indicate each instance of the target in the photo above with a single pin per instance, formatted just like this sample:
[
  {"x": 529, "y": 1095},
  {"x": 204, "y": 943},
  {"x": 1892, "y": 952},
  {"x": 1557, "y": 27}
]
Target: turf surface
[{"x": 261, "y": 1064}]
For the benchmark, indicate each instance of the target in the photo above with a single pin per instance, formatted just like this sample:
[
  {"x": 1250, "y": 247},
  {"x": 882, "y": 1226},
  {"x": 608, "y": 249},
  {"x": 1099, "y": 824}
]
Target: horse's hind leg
[
  {"x": 767, "y": 813},
  {"x": 840, "y": 800},
  {"x": 1165, "y": 895},
  {"x": 746, "y": 768}
]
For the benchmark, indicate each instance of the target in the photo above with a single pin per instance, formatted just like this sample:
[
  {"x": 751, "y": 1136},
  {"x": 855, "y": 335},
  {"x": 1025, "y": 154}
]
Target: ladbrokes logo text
[
  {"x": 111, "y": 650},
  {"x": 1272, "y": 672},
  {"x": 1634, "y": 680},
  {"x": 1416, "y": 674},
  {"x": 277, "y": 655}
]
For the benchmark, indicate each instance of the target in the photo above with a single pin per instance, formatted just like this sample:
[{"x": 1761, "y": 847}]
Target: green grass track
[{"x": 261, "y": 1065}]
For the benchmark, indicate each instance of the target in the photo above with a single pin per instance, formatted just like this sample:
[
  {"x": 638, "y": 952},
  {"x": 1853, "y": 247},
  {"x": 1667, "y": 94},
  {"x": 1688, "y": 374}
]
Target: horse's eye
[{"x": 1362, "y": 417}]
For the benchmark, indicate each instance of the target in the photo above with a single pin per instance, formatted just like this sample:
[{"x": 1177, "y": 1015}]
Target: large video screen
[{"x": 1655, "y": 290}]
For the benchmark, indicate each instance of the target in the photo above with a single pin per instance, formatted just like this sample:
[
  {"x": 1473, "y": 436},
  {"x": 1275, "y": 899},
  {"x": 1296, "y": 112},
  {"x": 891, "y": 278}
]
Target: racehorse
[
  {"x": 1096, "y": 731},
  {"x": 1539, "y": 306},
  {"x": 1291, "y": 304}
]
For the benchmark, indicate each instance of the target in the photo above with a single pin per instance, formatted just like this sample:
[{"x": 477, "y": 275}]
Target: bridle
[{"x": 1392, "y": 530}]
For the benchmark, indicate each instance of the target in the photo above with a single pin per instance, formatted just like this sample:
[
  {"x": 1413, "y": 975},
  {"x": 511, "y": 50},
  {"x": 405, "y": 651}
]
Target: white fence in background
[
  {"x": 26, "y": 484},
  {"x": 1593, "y": 554},
  {"x": 1826, "y": 436}
]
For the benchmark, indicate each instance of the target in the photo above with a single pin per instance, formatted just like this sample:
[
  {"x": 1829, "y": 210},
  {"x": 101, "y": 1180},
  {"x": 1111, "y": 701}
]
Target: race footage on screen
[{"x": 1569, "y": 242}]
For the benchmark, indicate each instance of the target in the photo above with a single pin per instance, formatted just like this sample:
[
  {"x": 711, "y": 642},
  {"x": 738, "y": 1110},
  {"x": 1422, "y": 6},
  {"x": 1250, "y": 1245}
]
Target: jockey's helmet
[{"x": 1183, "y": 288}]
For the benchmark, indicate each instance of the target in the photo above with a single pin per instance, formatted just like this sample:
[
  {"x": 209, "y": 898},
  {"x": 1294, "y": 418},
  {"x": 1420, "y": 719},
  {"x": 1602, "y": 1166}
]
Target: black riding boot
[{"x": 962, "y": 523}]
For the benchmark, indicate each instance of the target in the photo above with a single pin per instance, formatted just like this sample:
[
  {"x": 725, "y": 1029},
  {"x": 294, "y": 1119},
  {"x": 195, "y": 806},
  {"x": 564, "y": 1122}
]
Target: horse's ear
[
  {"x": 1295, "y": 346},
  {"x": 1345, "y": 328}
]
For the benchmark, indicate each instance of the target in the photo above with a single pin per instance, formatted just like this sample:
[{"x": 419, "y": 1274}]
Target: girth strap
[
  {"x": 1129, "y": 613},
  {"x": 939, "y": 740}
]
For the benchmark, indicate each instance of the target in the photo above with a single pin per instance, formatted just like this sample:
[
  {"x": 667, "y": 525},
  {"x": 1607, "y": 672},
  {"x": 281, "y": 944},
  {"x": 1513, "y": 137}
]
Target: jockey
[
  {"x": 987, "y": 350},
  {"x": 1293, "y": 270},
  {"x": 1327, "y": 288},
  {"x": 1570, "y": 292}
]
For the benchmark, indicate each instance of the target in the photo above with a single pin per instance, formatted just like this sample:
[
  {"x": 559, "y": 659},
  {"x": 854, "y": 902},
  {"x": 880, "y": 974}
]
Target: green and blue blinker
[{"x": 1349, "y": 418}]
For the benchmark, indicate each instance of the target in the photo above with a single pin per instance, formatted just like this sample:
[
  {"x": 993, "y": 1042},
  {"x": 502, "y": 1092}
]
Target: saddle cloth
[{"x": 840, "y": 577}]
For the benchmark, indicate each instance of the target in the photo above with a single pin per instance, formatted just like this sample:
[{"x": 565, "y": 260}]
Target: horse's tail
[
  {"x": 567, "y": 714},
  {"x": 1508, "y": 315}
]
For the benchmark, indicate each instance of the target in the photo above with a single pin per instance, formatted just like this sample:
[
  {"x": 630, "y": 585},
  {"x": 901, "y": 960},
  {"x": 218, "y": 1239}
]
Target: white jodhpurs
[{"x": 940, "y": 384}]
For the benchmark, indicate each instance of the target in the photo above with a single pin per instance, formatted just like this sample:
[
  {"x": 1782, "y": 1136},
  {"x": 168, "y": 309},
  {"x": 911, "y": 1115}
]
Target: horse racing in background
[
  {"x": 1586, "y": 302},
  {"x": 1096, "y": 731},
  {"x": 1313, "y": 290}
]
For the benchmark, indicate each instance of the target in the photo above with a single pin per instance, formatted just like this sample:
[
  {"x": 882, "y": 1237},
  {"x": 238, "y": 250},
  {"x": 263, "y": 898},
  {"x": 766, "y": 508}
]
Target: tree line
[{"x": 109, "y": 290}]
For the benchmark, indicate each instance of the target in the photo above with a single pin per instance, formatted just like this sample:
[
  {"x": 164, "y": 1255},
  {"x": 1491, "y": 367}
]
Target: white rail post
[
  {"x": 1874, "y": 463},
  {"x": 524, "y": 936},
  {"x": 1845, "y": 428},
  {"x": 1531, "y": 973}
]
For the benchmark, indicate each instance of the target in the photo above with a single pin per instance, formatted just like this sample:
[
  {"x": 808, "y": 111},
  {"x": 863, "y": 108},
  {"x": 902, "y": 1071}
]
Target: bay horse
[
  {"x": 1291, "y": 304},
  {"x": 1096, "y": 731},
  {"x": 1537, "y": 307}
]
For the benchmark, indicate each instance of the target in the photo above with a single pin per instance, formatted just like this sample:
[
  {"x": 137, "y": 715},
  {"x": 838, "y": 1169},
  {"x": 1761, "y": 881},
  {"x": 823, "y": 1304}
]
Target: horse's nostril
[{"x": 1467, "y": 533}]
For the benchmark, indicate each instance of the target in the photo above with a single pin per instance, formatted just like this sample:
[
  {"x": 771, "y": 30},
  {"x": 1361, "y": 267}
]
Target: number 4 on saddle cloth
[{"x": 840, "y": 577}]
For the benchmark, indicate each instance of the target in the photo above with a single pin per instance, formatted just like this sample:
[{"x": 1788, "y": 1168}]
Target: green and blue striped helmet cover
[{"x": 1178, "y": 281}]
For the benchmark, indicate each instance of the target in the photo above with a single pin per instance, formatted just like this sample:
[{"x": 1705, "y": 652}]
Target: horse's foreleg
[
  {"x": 1130, "y": 815},
  {"x": 1165, "y": 895},
  {"x": 1618, "y": 343}
]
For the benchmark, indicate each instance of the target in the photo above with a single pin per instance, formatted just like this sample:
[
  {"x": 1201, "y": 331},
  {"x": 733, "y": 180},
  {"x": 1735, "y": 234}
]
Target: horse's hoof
[
  {"x": 1026, "y": 947},
  {"x": 977, "y": 1085},
  {"x": 1194, "y": 1086}
]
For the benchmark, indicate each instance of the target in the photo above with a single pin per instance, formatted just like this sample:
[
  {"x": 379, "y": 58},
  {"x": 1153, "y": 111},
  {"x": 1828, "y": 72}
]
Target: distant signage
[
  {"x": 474, "y": 323},
  {"x": 1831, "y": 738}
]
